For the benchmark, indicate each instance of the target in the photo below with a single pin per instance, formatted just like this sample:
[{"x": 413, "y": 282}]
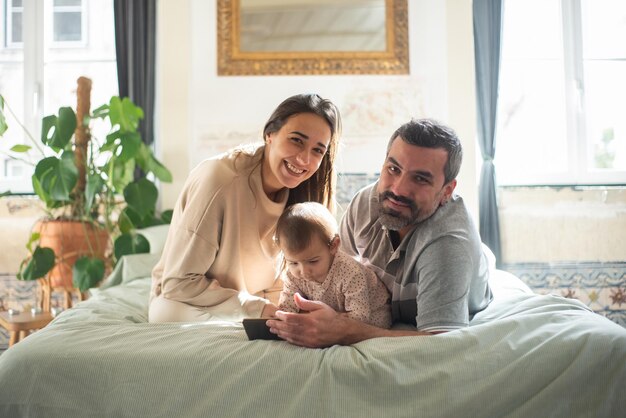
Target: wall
[
  {"x": 568, "y": 241},
  {"x": 566, "y": 224},
  {"x": 215, "y": 113},
  {"x": 200, "y": 114}
]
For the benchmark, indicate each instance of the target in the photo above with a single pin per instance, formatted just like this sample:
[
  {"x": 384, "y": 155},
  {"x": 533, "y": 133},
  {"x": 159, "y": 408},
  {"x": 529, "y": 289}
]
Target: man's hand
[
  {"x": 320, "y": 326},
  {"x": 269, "y": 311}
]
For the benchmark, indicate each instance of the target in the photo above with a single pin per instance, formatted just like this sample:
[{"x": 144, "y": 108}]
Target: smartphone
[{"x": 257, "y": 330}]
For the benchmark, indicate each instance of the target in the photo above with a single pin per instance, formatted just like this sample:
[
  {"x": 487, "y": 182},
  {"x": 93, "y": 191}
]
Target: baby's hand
[{"x": 269, "y": 311}]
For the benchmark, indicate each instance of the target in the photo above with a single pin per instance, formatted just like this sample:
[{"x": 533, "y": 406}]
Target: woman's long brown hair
[{"x": 320, "y": 187}]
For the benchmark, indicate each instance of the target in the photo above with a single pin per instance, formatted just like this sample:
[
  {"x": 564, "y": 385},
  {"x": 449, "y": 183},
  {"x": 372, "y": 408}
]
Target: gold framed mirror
[{"x": 295, "y": 37}]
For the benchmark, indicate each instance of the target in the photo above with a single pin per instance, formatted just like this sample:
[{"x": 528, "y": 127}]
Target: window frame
[
  {"x": 37, "y": 28},
  {"x": 579, "y": 172},
  {"x": 9, "y": 10},
  {"x": 83, "y": 25}
]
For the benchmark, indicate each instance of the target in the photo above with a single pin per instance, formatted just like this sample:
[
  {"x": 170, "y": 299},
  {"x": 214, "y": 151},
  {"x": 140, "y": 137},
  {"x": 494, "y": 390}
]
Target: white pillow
[
  {"x": 156, "y": 236},
  {"x": 491, "y": 258}
]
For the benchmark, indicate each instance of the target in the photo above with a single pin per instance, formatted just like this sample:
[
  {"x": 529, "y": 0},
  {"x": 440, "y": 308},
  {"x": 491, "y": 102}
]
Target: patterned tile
[
  {"x": 350, "y": 183},
  {"x": 21, "y": 295},
  {"x": 601, "y": 286}
]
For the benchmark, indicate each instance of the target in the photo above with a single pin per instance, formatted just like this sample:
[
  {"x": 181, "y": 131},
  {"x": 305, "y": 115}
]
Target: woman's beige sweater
[{"x": 219, "y": 249}]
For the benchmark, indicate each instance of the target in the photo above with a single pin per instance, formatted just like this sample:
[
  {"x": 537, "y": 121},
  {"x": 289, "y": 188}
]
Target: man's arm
[{"x": 322, "y": 327}]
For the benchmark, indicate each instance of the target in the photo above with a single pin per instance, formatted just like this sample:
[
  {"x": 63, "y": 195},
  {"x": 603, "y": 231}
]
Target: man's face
[{"x": 411, "y": 185}]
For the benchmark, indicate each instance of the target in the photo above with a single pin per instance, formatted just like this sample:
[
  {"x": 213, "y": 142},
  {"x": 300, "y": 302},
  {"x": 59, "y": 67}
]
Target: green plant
[{"x": 92, "y": 180}]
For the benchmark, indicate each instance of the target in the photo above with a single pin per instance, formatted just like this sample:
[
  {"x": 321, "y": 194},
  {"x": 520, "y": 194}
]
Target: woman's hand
[{"x": 269, "y": 311}]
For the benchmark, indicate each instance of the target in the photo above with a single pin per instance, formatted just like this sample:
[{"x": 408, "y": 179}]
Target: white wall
[{"x": 200, "y": 114}]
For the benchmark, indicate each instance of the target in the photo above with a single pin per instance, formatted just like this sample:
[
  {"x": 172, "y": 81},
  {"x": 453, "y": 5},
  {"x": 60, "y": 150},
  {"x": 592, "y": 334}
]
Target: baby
[{"x": 317, "y": 270}]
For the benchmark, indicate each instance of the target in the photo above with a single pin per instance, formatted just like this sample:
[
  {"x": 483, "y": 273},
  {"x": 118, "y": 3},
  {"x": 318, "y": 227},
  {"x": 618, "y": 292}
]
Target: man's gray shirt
[{"x": 438, "y": 275}]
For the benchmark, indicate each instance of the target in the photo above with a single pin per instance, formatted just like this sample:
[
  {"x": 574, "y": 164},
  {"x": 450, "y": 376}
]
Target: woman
[{"x": 219, "y": 251}]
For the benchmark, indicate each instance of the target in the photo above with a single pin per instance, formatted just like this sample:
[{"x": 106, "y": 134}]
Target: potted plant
[{"x": 93, "y": 199}]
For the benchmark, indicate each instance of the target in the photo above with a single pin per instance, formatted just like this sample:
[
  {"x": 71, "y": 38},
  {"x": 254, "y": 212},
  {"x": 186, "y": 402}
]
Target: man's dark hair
[{"x": 429, "y": 133}]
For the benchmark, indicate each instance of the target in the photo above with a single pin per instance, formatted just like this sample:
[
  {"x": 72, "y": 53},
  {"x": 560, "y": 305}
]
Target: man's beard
[{"x": 395, "y": 220}]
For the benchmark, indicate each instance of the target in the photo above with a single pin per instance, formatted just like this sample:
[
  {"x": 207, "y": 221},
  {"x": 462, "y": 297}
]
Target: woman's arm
[{"x": 192, "y": 246}]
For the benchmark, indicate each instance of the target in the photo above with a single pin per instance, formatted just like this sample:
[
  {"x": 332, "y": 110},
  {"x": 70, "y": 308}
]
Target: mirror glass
[
  {"x": 289, "y": 37},
  {"x": 312, "y": 25}
]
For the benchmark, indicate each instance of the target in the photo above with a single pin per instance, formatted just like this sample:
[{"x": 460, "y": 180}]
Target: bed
[{"x": 526, "y": 355}]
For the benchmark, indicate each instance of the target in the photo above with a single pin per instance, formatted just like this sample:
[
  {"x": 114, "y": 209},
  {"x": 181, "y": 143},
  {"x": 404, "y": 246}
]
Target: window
[
  {"x": 39, "y": 75},
  {"x": 67, "y": 21},
  {"x": 13, "y": 22},
  {"x": 562, "y": 93}
]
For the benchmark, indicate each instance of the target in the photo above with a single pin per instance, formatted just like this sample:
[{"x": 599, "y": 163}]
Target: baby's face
[{"x": 314, "y": 262}]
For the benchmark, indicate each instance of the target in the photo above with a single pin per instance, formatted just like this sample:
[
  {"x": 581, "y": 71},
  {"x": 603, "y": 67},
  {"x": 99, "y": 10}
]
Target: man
[{"x": 419, "y": 239}]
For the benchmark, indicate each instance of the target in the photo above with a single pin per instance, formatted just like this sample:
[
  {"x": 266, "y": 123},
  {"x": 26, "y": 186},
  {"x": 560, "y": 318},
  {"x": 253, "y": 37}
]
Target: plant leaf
[
  {"x": 57, "y": 177},
  {"x": 87, "y": 272},
  {"x": 132, "y": 216},
  {"x": 141, "y": 196},
  {"x": 20, "y": 148},
  {"x": 39, "y": 265},
  {"x": 34, "y": 237},
  {"x": 64, "y": 128},
  {"x": 124, "y": 222},
  {"x": 130, "y": 143},
  {"x": 166, "y": 216},
  {"x": 64, "y": 125},
  {"x": 92, "y": 188},
  {"x": 130, "y": 244},
  {"x": 101, "y": 112},
  {"x": 159, "y": 170},
  {"x": 47, "y": 124},
  {"x": 121, "y": 174},
  {"x": 125, "y": 114},
  {"x": 3, "y": 120},
  {"x": 41, "y": 192}
]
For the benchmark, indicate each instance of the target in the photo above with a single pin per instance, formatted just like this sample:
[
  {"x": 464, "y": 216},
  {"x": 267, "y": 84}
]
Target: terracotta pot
[{"x": 71, "y": 240}]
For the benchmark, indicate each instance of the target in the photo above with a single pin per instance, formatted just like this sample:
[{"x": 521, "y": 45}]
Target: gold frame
[{"x": 232, "y": 61}]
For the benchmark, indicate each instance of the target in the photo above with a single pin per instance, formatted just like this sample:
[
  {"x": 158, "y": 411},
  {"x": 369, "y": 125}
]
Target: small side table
[
  {"x": 45, "y": 294},
  {"x": 20, "y": 325}
]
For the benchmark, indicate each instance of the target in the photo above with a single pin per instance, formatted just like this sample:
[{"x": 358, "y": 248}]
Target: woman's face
[{"x": 295, "y": 152}]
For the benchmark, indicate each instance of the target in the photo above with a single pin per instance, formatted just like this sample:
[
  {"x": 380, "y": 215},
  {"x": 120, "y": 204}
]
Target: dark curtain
[
  {"x": 487, "y": 38},
  {"x": 135, "y": 45}
]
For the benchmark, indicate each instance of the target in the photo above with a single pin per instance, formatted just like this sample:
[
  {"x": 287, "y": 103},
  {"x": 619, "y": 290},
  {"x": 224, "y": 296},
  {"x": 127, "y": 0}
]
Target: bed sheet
[{"x": 525, "y": 355}]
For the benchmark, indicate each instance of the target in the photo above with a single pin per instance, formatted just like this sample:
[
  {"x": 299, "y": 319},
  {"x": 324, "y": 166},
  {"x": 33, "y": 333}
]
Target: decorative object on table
[{"x": 94, "y": 202}]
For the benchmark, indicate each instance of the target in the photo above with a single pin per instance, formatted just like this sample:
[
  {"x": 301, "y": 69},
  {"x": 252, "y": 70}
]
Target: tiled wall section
[
  {"x": 350, "y": 183},
  {"x": 21, "y": 295},
  {"x": 601, "y": 286}
]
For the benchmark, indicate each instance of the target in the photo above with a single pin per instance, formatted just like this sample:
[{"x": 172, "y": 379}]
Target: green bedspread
[{"x": 524, "y": 356}]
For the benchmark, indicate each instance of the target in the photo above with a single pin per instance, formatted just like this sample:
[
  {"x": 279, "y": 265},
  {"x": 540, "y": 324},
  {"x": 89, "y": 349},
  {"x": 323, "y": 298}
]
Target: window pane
[
  {"x": 62, "y": 67},
  {"x": 67, "y": 2},
  {"x": 16, "y": 3},
  {"x": 604, "y": 29},
  {"x": 97, "y": 61},
  {"x": 606, "y": 117},
  {"x": 604, "y": 50},
  {"x": 67, "y": 26},
  {"x": 531, "y": 142},
  {"x": 11, "y": 87},
  {"x": 16, "y": 27},
  {"x": 543, "y": 41}
]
